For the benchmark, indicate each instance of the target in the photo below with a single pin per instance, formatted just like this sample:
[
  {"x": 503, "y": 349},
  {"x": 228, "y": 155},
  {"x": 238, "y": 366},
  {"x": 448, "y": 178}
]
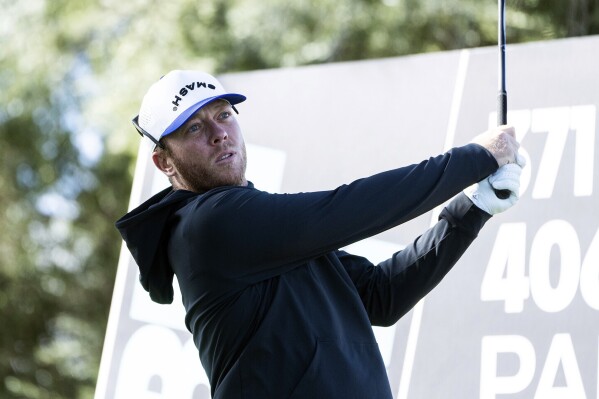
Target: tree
[{"x": 58, "y": 256}]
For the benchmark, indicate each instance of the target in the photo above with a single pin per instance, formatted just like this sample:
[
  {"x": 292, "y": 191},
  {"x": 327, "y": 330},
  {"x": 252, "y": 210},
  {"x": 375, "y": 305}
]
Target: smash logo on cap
[{"x": 183, "y": 91}]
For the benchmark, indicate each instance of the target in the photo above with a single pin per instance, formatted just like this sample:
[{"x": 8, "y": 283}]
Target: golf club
[{"x": 502, "y": 96}]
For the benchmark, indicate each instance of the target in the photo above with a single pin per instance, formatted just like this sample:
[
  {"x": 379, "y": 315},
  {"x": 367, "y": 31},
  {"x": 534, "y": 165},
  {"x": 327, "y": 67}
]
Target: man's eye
[
  {"x": 194, "y": 128},
  {"x": 224, "y": 115}
]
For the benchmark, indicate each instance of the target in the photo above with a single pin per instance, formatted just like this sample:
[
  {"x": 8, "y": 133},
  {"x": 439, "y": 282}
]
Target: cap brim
[{"x": 232, "y": 98}]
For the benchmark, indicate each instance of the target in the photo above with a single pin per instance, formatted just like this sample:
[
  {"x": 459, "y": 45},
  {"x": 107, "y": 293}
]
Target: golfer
[{"x": 275, "y": 308}]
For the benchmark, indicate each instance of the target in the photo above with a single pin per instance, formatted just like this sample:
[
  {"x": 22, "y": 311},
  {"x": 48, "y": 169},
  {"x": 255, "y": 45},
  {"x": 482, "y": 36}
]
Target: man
[{"x": 275, "y": 309}]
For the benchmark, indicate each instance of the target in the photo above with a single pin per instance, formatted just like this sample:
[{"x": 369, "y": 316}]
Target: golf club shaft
[{"x": 502, "y": 95}]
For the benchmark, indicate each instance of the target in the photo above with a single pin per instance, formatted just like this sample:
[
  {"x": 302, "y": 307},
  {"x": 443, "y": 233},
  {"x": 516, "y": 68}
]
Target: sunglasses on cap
[{"x": 143, "y": 133}]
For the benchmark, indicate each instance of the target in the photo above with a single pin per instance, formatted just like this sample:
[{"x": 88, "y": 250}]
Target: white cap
[{"x": 176, "y": 97}]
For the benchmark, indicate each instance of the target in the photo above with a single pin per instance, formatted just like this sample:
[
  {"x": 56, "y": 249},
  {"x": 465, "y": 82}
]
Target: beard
[{"x": 200, "y": 177}]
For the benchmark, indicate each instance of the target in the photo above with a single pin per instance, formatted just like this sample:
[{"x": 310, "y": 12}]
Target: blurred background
[{"x": 72, "y": 75}]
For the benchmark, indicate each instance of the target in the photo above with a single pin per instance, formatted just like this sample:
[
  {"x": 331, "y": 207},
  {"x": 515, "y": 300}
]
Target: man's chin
[{"x": 203, "y": 185}]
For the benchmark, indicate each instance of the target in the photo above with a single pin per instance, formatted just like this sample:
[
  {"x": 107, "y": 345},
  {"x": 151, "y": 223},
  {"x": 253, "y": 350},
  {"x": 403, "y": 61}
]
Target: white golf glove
[{"x": 482, "y": 194}]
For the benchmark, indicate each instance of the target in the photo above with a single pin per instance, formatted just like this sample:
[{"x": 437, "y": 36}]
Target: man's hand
[
  {"x": 482, "y": 194},
  {"x": 501, "y": 142}
]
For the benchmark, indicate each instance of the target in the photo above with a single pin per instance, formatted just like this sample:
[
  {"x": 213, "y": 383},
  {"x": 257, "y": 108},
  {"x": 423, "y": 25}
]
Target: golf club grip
[
  {"x": 502, "y": 120},
  {"x": 502, "y": 194},
  {"x": 502, "y": 108}
]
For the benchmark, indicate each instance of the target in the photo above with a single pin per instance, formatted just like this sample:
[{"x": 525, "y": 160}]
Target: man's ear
[{"x": 163, "y": 162}]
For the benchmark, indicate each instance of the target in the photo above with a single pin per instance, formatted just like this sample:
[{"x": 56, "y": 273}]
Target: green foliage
[{"x": 72, "y": 74}]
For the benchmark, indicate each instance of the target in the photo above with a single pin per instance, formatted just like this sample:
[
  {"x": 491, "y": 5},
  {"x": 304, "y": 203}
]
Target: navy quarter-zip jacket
[{"x": 275, "y": 309}]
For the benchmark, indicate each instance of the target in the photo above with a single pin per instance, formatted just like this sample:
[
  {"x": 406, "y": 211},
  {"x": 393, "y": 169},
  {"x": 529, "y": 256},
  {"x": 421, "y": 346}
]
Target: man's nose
[{"x": 219, "y": 134}]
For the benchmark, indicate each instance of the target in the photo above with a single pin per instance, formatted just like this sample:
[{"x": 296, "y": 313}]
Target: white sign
[{"x": 518, "y": 315}]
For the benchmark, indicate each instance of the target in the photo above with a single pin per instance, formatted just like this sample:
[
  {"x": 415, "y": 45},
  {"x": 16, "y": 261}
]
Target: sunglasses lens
[{"x": 142, "y": 132}]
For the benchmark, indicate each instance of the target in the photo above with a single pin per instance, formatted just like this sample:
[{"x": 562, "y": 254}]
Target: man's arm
[
  {"x": 268, "y": 231},
  {"x": 392, "y": 288}
]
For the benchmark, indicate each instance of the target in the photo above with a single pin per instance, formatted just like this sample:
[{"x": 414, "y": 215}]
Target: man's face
[{"x": 208, "y": 151}]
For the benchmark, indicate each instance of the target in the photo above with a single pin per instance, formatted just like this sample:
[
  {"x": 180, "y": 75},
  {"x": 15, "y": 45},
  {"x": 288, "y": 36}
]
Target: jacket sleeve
[
  {"x": 253, "y": 232},
  {"x": 392, "y": 288}
]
